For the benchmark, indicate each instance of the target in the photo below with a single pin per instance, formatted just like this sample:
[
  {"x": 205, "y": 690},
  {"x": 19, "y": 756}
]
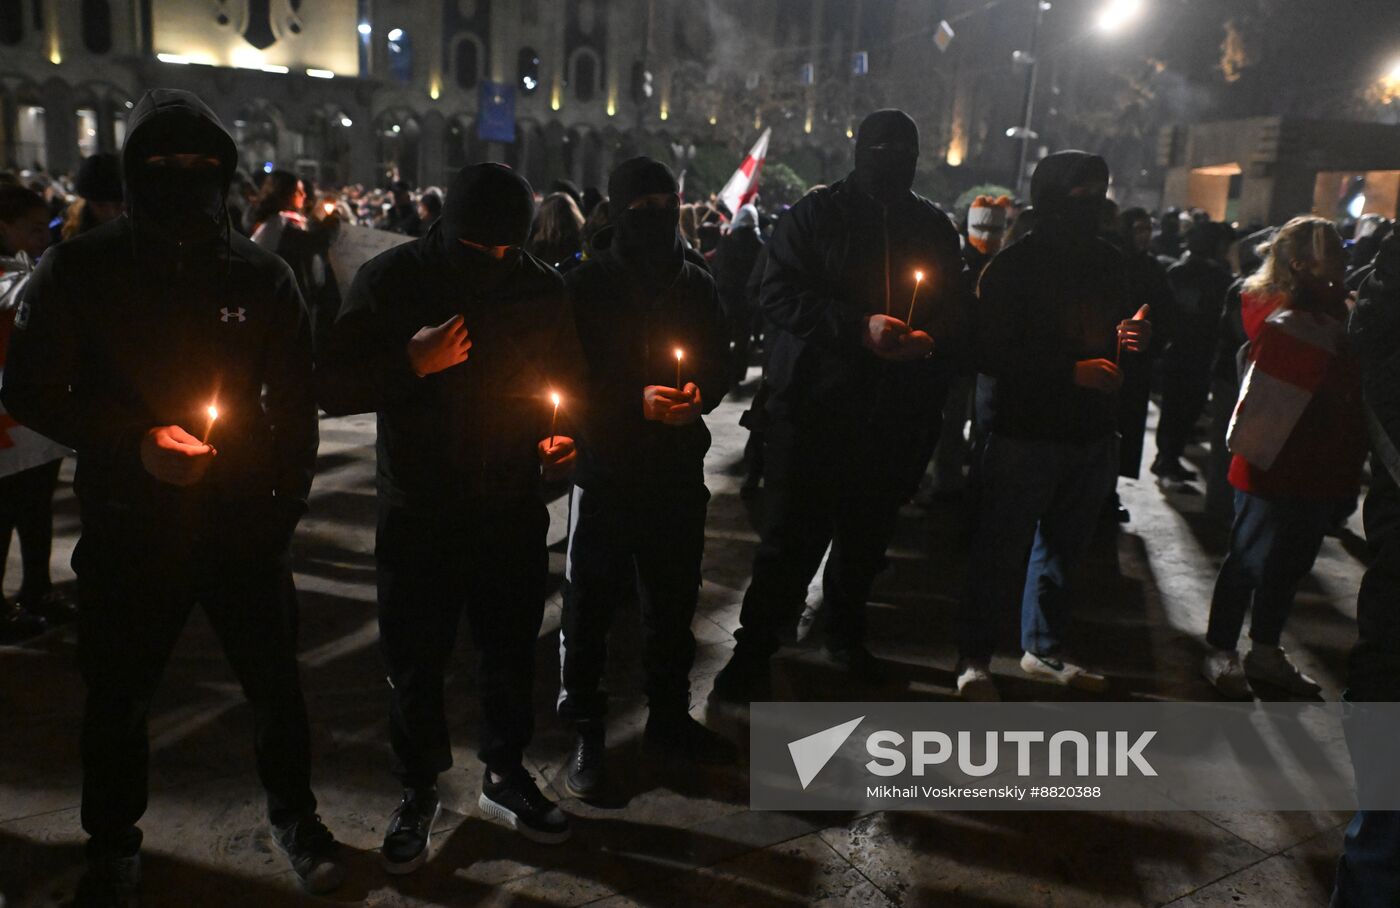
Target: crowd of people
[{"x": 185, "y": 333}]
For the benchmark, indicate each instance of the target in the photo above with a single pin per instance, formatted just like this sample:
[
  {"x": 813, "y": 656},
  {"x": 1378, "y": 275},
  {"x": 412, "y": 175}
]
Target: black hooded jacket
[
  {"x": 629, "y": 328},
  {"x": 467, "y": 433},
  {"x": 1045, "y": 303},
  {"x": 836, "y": 258},
  {"x": 128, "y": 327}
]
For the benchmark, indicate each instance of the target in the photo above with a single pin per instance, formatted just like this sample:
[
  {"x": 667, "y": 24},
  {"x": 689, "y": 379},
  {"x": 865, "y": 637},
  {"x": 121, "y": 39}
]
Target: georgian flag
[
  {"x": 743, "y": 186},
  {"x": 1287, "y": 363}
]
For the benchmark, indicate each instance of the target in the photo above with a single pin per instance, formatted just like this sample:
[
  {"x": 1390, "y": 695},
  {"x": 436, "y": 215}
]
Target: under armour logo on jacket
[{"x": 233, "y": 315}]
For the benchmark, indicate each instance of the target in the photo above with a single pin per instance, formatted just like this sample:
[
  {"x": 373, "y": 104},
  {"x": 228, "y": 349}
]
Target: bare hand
[
  {"x": 1098, "y": 375},
  {"x": 883, "y": 335},
  {"x": 657, "y": 401},
  {"x": 686, "y": 412},
  {"x": 435, "y": 349},
  {"x": 1135, "y": 334},
  {"x": 174, "y": 456},
  {"x": 557, "y": 462},
  {"x": 912, "y": 346}
]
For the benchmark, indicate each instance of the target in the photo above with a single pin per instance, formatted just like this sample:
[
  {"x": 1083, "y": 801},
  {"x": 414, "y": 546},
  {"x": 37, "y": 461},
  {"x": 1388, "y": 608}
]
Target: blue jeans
[
  {"x": 1040, "y": 497},
  {"x": 1273, "y": 544}
]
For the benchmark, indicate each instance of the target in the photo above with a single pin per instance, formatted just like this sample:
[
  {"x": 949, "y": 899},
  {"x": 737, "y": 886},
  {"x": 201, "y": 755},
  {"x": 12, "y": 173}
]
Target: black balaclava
[
  {"x": 490, "y": 205},
  {"x": 1060, "y": 216},
  {"x": 646, "y": 238},
  {"x": 887, "y": 153},
  {"x": 181, "y": 206}
]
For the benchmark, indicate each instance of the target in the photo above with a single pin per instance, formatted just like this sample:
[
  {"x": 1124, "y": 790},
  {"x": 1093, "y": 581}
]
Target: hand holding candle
[{"x": 174, "y": 456}]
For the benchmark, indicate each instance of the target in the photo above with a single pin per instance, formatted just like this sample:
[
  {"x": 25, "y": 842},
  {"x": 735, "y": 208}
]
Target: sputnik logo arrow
[{"x": 811, "y": 753}]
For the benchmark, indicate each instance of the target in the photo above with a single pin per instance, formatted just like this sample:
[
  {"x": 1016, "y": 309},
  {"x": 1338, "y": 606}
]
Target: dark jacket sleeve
[
  {"x": 565, "y": 368},
  {"x": 1005, "y": 345},
  {"x": 366, "y": 356},
  {"x": 291, "y": 403},
  {"x": 794, "y": 297},
  {"x": 1374, "y": 334},
  {"x": 41, "y": 370}
]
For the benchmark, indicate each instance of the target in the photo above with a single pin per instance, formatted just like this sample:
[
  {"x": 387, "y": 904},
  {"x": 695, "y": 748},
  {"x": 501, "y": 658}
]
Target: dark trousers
[
  {"x": 652, "y": 544},
  {"x": 491, "y": 561},
  {"x": 1185, "y": 390},
  {"x": 1220, "y": 495},
  {"x": 1041, "y": 497},
  {"x": 129, "y": 622},
  {"x": 823, "y": 490},
  {"x": 26, "y": 507},
  {"x": 1273, "y": 544}
]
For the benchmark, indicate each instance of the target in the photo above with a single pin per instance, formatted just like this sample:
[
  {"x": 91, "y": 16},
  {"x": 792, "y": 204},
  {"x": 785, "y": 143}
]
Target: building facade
[{"x": 360, "y": 90}]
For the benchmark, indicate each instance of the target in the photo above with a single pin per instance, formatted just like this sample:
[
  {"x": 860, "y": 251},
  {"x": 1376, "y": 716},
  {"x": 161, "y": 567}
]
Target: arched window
[
  {"x": 527, "y": 70},
  {"x": 466, "y": 61},
  {"x": 11, "y": 21},
  {"x": 97, "y": 26},
  {"x": 585, "y": 75}
]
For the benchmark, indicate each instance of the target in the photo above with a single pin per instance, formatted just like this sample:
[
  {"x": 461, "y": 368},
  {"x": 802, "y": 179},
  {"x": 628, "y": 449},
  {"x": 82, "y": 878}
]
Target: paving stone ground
[{"x": 671, "y": 836}]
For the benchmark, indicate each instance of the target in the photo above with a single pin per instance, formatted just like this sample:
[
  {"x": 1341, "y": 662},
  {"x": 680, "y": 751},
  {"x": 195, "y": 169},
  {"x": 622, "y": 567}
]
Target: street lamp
[
  {"x": 1118, "y": 13},
  {"x": 1024, "y": 132}
]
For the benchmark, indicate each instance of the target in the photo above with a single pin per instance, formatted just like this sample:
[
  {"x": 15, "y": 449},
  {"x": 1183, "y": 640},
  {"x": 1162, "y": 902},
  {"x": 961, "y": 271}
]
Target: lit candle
[
  {"x": 213, "y": 412},
  {"x": 918, "y": 282},
  {"x": 329, "y": 207},
  {"x": 680, "y": 355},
  {"x": 553, "y": 419}
]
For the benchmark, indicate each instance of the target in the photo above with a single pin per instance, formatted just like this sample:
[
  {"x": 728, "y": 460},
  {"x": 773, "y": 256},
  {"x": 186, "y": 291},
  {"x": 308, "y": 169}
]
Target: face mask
[
  {"x": 186, "y": 204},
  {"x": 1080, "y": 215},
  {"x": 885, "y": 175},
  {"x": 647, "y": 234},
  {"x": 477, "y": 270}
]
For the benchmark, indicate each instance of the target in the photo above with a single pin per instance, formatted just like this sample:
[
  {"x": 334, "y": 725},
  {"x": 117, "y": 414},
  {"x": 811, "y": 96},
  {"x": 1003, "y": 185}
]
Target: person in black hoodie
[
  {"x": 456, "y": 340},
  {"x": 1051, "y": 321},
  {"x": 856, "y": 390},
  {"x": 1190, "y": 326},
  {"x": 127, "y": 336},
  {"x": 739, "y": 249},
  {"x": 656, "y": 347}
]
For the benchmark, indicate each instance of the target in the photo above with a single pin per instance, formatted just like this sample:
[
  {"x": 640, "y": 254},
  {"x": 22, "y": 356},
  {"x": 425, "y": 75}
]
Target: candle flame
[
  {"x": 213, "y": 412},
  {"x": 918, "y": 277},
  {"x": 555, "y": 398},
  {"x": 330, "y": 207},
  {"x": 680, "y": 354}
]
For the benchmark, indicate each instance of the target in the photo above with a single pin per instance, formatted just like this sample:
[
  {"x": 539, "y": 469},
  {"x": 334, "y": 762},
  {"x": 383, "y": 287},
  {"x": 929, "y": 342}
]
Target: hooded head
[
  {"x": 486, "y": 218},
  {"x": 644, "y": 205},
  {"x": 1068, "y": 191},
  {"x": 746, "y": 219},
  {"x": 177, "y": 164},
  {"x": 887, "y": 153}
]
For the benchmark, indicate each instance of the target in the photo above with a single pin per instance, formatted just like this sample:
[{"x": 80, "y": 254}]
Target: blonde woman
[{"x": 1298, "y": 441}]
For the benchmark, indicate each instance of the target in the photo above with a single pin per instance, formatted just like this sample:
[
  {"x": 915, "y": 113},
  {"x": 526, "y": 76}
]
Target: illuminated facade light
[
  {"x": 364, "y": 29},
  {"x": 320, "y": 74},
  {"x": 173, "y": 58}
]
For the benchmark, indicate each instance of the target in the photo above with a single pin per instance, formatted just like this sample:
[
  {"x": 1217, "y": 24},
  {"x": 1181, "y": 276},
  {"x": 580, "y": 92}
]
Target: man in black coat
[
  {"x": 457, "y": 340},
  {"x": 865, "y": 297},
  {"x": 657, "y": 351},
  {"x": 1050, "y": 327},
  {"x": 1367, "y": 875},
  {"x": 130, "y": 339},
  {"x": 1189, "y": 325}
]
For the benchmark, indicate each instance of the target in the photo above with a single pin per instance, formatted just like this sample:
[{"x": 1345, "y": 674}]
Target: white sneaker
[
  {"x": 1223, "y": 670},
  {"x": 1061, "y": 672},
  {"x": 1271, "y": 665},
  {"x": 975, "y": 683}
]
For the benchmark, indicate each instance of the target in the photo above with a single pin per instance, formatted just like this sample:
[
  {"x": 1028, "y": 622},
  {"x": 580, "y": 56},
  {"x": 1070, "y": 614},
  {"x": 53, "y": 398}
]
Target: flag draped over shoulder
[
  {"x": 1287, "y": 364},
  {"x": 20, "y": 448}
]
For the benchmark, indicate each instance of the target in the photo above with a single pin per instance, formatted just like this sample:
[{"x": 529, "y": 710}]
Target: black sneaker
[
  {"x": 52, "y": 605},
  {"x": 313, "y": 853},
  {"x": 517, "y": 802},
  {"x": 111, "y": 881},
  {"x": 743, "y": 679},
  {"x": 682, "y": 736},
  {"x": 410, "y": 831},
  {"x": 858, "y": 661},
  {"x": 18, "y": 624},
  {"x": 587, "y": 765},
  {"x": 1172, "y": 470}
]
